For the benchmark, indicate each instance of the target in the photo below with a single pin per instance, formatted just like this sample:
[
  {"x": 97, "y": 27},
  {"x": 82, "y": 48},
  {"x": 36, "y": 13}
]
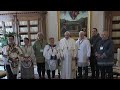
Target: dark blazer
[
  {"x": 94, "y": 41},
  {"x": 105, "y": 47}
]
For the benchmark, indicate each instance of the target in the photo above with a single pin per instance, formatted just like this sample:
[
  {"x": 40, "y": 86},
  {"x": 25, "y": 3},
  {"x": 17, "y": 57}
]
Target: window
[
  {"x": 24, "y": 24},
  {"x": 28, "y": 29}
]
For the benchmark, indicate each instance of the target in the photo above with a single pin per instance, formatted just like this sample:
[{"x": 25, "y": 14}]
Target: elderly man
[
  {"x": 105, "y": 56},
  {"x": 38, "y": 50},
  {"x": 83, "y": 54},
  {"x": 68, "y": 54}
]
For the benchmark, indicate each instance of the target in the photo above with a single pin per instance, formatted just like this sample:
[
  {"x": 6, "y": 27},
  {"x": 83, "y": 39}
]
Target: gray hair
[
  {"x": 81, "y": 32},
  {"x": 67, "y": 32},
  {"x": 40, "y": 33}
]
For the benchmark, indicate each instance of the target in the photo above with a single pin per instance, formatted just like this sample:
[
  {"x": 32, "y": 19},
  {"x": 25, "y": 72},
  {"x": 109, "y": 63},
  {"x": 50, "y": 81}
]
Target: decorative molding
[{"x": 21, "y": 12}]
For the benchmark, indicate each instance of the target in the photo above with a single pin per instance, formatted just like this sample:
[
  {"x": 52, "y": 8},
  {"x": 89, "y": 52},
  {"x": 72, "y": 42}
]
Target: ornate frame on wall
[{"x": 74, "y": 21}]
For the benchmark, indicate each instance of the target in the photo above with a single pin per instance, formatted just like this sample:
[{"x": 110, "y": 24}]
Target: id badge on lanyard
[
  {"x": 80, "y": 42},
  {"x": 41, "y": 50},
  {"x": 101, "y": 47},
  {"x": 53, "y": 54}
]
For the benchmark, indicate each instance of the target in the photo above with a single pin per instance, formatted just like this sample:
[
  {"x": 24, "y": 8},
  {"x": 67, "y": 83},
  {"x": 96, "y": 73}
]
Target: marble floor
[
  {"x": 35, "y": 73},
  {"x": 2, "y": 68},
  {"x": 37, "y": 77}
]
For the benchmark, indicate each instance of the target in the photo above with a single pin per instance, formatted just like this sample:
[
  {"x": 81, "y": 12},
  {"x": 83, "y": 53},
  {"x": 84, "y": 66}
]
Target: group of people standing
[
  {"x": 102, "y": 55},
  {"x": 74, "y": 57}
]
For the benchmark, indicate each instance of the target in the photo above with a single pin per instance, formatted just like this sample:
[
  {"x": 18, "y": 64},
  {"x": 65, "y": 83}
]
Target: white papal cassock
[
  {"x": 83, "y": 52},
  {"x": 68, "y": 65}
]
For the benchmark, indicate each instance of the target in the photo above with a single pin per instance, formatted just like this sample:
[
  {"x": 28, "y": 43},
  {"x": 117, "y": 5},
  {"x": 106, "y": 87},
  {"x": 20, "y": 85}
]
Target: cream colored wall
[
  {"x": 52, "y": 25},
  {"x": 97, "y": 21}
]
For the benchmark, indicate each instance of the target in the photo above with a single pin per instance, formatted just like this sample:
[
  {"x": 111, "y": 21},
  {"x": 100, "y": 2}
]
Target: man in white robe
[
  {"x": 83, "y": 54},
  {"x": 68, "y": 54}
]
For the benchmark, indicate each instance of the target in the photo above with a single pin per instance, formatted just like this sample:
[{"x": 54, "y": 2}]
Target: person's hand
[
  {"x": 27, "y": 59},
  {"x": 23, "y": 59},
  {"x": 98, "y": 56},
  {"x": 103, "y": 55}
]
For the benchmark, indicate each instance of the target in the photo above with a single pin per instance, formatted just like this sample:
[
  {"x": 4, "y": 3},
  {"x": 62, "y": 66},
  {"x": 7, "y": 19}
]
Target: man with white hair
[
  {"x": 68, "y": 54},
  {"x": 83, "y": 54},
  {"x": 105, "y": 56}
]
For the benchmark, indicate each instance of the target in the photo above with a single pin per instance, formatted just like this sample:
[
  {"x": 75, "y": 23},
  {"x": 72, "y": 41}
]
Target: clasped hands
[
  {"x": 26, "y": 58},
  {"x": 100, "y": 55}
]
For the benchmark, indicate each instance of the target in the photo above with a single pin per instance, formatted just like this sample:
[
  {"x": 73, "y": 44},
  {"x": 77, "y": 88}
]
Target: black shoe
[
  {"x": 91, "y": 77},
  {"x": 43, "y": 77}
]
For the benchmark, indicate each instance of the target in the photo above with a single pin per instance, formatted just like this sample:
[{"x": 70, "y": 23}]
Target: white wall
[
  {"x": 52, "y": 25},
  {"x": 97, "y": 21}
]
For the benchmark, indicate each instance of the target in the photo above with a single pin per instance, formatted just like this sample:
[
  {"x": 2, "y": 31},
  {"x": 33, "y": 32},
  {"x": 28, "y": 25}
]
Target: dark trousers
[
  {"x": 106, "y": 72},
  {"x": 49, "y": 75},
  {"x": 10, "y": 74},
  {"x": 5, "y": 67},
  {"x": 41, "y": 69},
  {"x": 82, "y": 70},
  {"x": 94, "y": 67}
]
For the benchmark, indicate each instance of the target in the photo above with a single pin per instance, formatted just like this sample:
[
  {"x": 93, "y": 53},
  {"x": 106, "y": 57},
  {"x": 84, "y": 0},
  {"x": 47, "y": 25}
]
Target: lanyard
[
  {"x": 52, "y": 48},
  {"x": 80, "y": 42}
]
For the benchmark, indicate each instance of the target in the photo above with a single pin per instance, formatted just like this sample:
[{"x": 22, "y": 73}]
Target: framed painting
[{"x": 73, "y": 21}]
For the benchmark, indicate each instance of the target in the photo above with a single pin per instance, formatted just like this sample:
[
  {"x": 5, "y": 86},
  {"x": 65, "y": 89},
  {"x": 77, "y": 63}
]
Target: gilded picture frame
[{"x": 74, "y": 21}]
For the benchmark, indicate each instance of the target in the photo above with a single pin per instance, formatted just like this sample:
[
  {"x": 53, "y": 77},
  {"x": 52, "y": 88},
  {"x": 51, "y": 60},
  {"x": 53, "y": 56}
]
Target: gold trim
[
  {"x": 58, "y": 19},
  {"x": 89, "y": 24},
  {"x": 21, "y": 12}
]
